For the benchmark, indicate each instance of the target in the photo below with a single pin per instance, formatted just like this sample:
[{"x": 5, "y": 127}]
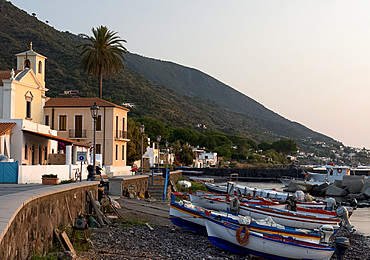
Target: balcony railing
[
  {"x": 121, "y": 135},
  {"x": 77, "y": 133}
]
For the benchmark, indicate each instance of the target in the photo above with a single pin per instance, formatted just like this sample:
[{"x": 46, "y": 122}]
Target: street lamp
[
  {"x": 94, "y": 109},
  {"x": 158, "y": 140},
  {"x": 142, "y": 130},
  {"x": 166, "y": 155}
]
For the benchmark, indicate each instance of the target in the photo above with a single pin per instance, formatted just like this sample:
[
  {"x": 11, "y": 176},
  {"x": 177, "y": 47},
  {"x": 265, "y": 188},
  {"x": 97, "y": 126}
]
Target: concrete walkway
[{"x": 12, "y": 196}]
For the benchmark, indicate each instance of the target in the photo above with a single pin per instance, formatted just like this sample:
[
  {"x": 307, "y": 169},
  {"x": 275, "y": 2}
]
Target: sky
[{"x": 308, "y": 61}]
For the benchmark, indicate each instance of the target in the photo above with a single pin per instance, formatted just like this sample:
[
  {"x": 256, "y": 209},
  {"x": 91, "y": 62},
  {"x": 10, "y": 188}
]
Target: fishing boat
[
  {"x": 276, "y": 203},
  {"x": 230, "y": 187},
  {"x": 188, "y": 216},
  {"x": 240, "y": 239},
  {"x": 281, "y": 216}
]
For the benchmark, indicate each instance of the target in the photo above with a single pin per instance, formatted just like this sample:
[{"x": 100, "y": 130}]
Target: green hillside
[{"x": 165, "y": 91}]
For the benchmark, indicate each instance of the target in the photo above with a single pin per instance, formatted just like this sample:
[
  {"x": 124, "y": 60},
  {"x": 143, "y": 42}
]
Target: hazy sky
[{"x": 308, "y": 61}]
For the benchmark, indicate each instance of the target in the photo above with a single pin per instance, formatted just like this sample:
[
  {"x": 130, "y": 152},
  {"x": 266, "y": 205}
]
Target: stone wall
[
  {"x": 30, "y": 230},
  {"x": 276, "y": 172}
]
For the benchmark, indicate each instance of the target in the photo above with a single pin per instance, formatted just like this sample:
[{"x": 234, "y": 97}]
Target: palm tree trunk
[{"x": 101, "y": 85}]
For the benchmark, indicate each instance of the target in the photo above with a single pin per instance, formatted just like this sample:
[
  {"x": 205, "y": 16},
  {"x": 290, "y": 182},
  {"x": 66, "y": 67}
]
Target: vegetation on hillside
[
  {"x": 226, "y": 117},
  {"x": 230, "y": 147}
]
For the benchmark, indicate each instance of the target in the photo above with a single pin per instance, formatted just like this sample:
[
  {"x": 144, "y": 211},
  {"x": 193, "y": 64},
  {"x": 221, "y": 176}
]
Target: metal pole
[
  {"x": 142, "y": 164},
  {"x": 94, "y": 156},
  {"x": 158, "y": 156}
]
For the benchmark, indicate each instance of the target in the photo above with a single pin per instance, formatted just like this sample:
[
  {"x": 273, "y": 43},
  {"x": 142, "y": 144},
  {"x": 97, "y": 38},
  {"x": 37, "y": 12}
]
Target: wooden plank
[
  {"x": 58, "y": 236},
  {"x": 173, "y": 185},
  {"x": 68, "y": 243},
  {"x": 96, "y": 210}
]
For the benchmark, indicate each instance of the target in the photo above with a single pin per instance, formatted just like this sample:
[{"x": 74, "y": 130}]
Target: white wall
[
  {"x": 33, "y": 173},
  {"x": 111, "y": 170}
]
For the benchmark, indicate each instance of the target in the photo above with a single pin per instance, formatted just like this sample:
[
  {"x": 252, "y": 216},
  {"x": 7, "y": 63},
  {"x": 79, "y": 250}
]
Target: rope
[{"x": 243, "y": 241}]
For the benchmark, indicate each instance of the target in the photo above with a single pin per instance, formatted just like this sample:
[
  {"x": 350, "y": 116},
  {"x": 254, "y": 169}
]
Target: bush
[{"x": 50, "y": 175}]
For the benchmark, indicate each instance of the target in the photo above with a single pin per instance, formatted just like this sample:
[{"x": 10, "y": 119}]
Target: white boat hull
[{"x": 219, "y": 232}]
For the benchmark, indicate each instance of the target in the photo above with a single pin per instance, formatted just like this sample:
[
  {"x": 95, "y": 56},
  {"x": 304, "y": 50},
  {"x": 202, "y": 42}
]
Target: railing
[
  {"x": 159, "y": 172},
  {"x": 156, "y": 172},
  {"x": 77, "y": 133},
  {"x": 121, "y": 134}
]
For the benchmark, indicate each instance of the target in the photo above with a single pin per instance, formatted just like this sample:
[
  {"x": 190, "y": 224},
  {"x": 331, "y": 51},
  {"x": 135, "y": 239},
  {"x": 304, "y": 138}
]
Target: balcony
[
  {"x": 121, "y": 135},
  {"x": 77, "y": 134}
]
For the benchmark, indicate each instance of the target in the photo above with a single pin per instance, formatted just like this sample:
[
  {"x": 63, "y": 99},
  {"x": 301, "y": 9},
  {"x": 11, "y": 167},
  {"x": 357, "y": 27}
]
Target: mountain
[{"x": 163, "y": 90}]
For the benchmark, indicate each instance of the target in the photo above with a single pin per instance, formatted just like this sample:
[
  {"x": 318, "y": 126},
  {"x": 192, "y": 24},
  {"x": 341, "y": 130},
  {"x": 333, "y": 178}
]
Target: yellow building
[{"x": 72, "y": 118}]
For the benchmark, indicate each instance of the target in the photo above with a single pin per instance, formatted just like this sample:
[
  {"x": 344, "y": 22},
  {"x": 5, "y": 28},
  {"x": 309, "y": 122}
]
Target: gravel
[{"x": 169, "y": 242}]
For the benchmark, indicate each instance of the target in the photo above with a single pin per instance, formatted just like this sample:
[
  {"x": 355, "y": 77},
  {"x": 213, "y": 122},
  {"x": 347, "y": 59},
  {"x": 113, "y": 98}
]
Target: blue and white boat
[
  {"x": 185, "y": 215},
  {"x": 241, "y": 239}
]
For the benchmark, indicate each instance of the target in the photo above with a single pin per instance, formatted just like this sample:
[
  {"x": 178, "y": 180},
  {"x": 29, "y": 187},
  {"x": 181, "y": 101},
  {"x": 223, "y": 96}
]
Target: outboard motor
[
  {"x": 353, "y": 203},
  {"x": 342, "y": 213},
  {"x": 330, "y": 204},
  {"x": 341, "y": 245},
  {"x": 292, "y": 203},
  {"x": 326, "y": 232},
  {"x": 234, "y": 206}
]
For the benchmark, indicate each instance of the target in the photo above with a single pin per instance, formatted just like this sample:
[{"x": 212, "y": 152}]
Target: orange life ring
[
  {"x": 243, "y": 241},
  {"x": 339, "y": 170},
  {"x": 307, "y": 175}
]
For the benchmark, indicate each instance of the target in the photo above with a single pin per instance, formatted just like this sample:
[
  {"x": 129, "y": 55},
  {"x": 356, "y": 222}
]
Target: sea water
[{"x": 360, "y": 218}]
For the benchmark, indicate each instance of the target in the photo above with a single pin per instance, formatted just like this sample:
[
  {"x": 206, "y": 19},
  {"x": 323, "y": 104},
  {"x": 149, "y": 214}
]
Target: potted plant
[{"x": 50, "y": 179}]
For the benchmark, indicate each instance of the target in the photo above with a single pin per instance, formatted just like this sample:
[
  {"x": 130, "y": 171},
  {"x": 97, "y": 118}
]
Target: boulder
[
  {"x": 357, "y": 196},
  {"x": 319, "y": 190},
  {"x": 366, "y": 193},
  {"x": 355, "y": 186},
  {"x": 335, "y": 191},
  {"x": 366, "y": 185},
  {"x": 295, "y": 186},
  {"x": 338, "y": 183},
  {"x": 349, "y": 178}
]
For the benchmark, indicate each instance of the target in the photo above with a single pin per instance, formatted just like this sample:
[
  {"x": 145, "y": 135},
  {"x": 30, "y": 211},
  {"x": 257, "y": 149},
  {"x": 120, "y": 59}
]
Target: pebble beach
[{"x": 167, "y": 241}]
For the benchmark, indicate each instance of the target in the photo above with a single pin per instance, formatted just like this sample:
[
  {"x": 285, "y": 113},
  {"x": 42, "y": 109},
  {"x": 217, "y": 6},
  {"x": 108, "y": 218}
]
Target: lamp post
[
  {"x": 142, "y": 130},
  {"x": 166, "y": 155},
  {"x": 94, "y": 114},
  {"x": 158, "y": 140}
]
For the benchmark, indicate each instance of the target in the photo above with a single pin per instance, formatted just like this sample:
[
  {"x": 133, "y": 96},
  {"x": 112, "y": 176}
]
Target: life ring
[
  {"x": 243, "y": 241},
  {"x": 339, "y": 170},
  {"x": 307, "y": 175}
]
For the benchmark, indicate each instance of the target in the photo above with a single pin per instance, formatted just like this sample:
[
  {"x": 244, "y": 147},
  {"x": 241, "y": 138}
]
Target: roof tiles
[
  {"x": 5, "y": 127},
  {"x": 80, "y": 102}
]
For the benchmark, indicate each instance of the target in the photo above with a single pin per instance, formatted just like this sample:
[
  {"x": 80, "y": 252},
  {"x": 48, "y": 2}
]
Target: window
[
  {"x": 40, "y": 155},
  {"x": 28, "y": 109},
  {"x": 47, "y": 120},
  {"x": 123, "y": 152},
  {"x": 27, "y": 64},
  {"x": 116, "y": 151},
  {"x": 98, "y": 123},
  {"x": 123, "y": 124},
  {"x": 26, "y": 152},
  {"x": 98, "y": 148},
  {"x": 46, "y": 154},
  {"x": 117, "y": 127},
  {"x": 40, "y": 67},
  {"x": 62, "y": 123}
]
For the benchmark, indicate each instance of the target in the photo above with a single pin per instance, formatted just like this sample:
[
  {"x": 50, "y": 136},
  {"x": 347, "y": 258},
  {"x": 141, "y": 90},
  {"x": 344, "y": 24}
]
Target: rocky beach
[{"x": 135, "y": 240}]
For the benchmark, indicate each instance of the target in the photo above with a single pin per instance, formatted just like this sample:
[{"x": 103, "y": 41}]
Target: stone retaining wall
[
  {"x": 277, "y": 172},
  {"x": 30, "y": 230}
]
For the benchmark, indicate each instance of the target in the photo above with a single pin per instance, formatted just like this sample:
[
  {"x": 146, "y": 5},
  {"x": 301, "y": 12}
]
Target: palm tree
[{"x": 102, "y": 53}]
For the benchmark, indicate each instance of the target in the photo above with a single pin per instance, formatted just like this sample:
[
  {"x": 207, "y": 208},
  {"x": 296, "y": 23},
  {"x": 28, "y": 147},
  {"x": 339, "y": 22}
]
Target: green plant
[
  {"x": 132, "y": 222},
  {"x": 194, "y": 186},
  {"x": 50, "y": 175},
  {"x": 39, "y": 256},
  {"x": 67, "y": 181}
]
